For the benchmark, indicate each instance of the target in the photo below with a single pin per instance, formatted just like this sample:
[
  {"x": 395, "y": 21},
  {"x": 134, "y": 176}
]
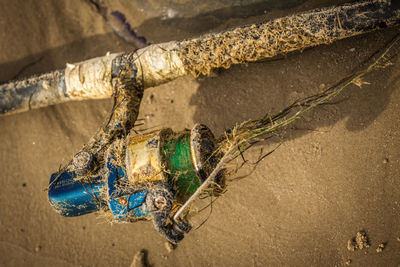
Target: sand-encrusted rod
[
  {"x": 287, "y": 34},
  {"x": 160, "y": 63}
]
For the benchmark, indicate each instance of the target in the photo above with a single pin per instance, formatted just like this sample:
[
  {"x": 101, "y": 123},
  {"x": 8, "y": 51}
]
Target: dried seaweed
[{"x": 283, "y": 35}]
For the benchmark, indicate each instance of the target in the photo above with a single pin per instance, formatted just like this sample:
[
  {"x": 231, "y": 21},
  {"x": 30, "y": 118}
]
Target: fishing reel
[
  {"x": 142, "y": 177},
  {"x": 134, "y": 176}
]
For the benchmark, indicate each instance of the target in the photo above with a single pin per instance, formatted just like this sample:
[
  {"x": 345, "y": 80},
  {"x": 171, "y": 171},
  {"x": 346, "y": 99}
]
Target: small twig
[{"x": 206, "y": 183}]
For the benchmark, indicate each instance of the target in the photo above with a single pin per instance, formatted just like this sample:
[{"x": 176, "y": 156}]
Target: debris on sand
[
  {"x": 359, "y": 242},
  {"x": 140, "y": 259},
  {"x": 351, "y": 245},
  {"x": 170, "y": 247},
  {"x": 362, "y": 240},
  {"x": 348, "y": 262},
  {"x": 380, "y": 247}
]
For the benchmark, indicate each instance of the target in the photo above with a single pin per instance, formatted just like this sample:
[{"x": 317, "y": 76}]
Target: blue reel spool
[{"x": 71, "y": 197}]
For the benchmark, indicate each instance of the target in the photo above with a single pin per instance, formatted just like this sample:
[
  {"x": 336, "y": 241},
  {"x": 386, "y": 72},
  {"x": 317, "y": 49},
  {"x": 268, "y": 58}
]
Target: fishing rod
[
  {"x": 160, "y": 63},
  {"x": 157, "y": 175}
]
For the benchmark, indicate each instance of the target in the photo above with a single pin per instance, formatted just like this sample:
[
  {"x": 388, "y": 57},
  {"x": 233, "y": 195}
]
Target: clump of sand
[
  {"x": 380, "y": 248},
  {"x": 359, "y": 242}
]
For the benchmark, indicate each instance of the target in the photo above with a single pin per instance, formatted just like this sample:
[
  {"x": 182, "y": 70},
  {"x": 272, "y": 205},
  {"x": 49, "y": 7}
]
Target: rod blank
[{"x": 160, "y": 63}]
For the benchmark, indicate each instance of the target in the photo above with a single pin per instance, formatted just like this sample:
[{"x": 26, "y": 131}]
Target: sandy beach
[{"x": 336, "y": 172}]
